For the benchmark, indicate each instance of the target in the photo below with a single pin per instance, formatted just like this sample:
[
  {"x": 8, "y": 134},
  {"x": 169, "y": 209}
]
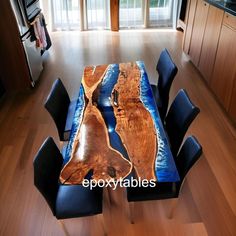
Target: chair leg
[
  {"x": 64, "y": 228},
  {"x": 101, "y": 219},
  {"x": 173, "y": 205},
  {"x": 131, "y": 212},
  {"x": 61, "y": 144}
]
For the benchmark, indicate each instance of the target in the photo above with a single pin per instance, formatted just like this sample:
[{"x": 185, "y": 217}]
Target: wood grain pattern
[
  {"x": 210, "y": 41},
  {"x": 91, "y": 149},
  {"x": 230, "y": 20},
  {"x": 114, "y": 13},
  {"x": 224, "y": 72},
  {"x": 217, "y": 52},
  {"x": 198, "y": 31},
  {"x": 207, "y": 204},
  {"x": 189, "y": 28},
  {"x": 134, "y": 123}
]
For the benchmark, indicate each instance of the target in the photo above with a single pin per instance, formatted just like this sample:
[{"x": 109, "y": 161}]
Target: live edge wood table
[{"x": 117, "y": 129}]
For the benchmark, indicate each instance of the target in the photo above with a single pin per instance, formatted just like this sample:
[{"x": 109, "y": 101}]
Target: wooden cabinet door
[
  {"x": 198, "y": 31},
  {"x": 210, "y": 41},
  {"x": 191, "y": 8},
  {"x": 223, "y": 76}
]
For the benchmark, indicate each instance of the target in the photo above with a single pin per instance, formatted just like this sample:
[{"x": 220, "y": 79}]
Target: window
[
  {"x": 95, "y": 14},
  {"x": 144, "y": 13},
  {"x": 65, "y": 14},
  {"x": 98, "y": 14},
  {"x": 131, "y": 13},
  {"x": 160, "y": 13}
]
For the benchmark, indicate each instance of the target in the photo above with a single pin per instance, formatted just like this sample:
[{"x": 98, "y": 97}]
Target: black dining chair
[
  {"x": 181, "y": 114},
  {"x": 61, "y": 109},
  {"x": 190, "y": 152},
  {"x": 167, "y": 71},
  {"x": 65, "y": 201}
]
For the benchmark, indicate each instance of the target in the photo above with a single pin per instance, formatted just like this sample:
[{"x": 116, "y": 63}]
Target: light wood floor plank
[{"x": 207, "y": 204}]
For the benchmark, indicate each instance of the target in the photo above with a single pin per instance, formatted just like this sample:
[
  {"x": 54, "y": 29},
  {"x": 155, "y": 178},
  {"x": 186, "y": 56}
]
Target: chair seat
[
  {"x": 69, "y": 119},
  {"x": 72, "y": 199},
  {"x": 161, "y": 191}
]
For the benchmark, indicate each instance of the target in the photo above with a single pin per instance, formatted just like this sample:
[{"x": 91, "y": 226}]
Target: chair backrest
[
  {"x": 179, "y": 117},
  {"x": 189, "y": 153},
  {"x": 57, "y": 105},
  {"x": 47, "y": 166},
  {"x": 167, "y": 71}
]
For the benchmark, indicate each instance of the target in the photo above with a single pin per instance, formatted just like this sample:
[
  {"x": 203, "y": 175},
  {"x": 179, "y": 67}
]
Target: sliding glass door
[
  {"x": 160, "y": 13},
  {"x": 146, "y": 13},
  {"x": 131, "y": 13},
  {"x": 65, "y": 14},
  {"x": 98, "y": 14},
  {"x": 80, "y": 14},
  {"x": 95, "y": 14}
]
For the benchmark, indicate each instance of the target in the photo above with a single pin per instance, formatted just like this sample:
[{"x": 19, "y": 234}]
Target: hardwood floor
[{"x": 207, "y": 204}]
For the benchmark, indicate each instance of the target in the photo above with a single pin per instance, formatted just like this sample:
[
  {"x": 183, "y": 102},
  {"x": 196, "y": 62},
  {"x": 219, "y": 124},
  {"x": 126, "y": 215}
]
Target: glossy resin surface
[{"x": 117, "y": 128}]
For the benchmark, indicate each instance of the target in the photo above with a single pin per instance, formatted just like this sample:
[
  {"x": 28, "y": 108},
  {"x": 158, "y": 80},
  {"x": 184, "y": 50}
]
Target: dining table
[{"x": 117, "y": 130}]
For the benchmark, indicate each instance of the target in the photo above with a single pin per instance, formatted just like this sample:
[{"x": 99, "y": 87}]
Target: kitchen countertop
[{"x": 229, "y": 6}]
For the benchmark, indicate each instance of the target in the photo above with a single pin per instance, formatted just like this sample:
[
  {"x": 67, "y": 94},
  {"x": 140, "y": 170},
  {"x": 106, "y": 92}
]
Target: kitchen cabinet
[
  {"x": 198, "y": 31},
  {"x": 224, "y": 73},
  {"x": 191, "y": 8},
  {"x": 210, "y": 41}
]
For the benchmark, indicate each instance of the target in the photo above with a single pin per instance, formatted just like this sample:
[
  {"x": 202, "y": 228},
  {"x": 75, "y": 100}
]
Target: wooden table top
[{"x": 117, "y": 129}]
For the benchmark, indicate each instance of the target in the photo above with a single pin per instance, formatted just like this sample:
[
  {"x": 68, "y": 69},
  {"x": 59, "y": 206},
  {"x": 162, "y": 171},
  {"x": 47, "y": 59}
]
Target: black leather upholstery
[
  {"x": 180, "y": 115},
  {"x": 47, "y": 166},
  {"x": 78, "y": 201},
  {"x": 167, "y": 71},
  {"x": 65, "y": 201},
  {"x": 161, "y": 191},
  {"x": 157, "y": 97},
  {"x": 188, "y": 155},
  {"x": 61, "y": 109}
]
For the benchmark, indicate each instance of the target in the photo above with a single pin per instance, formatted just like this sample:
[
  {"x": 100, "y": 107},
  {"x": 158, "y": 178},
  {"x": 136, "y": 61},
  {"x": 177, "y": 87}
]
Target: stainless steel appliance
[{"x": 26, "y": 13}]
